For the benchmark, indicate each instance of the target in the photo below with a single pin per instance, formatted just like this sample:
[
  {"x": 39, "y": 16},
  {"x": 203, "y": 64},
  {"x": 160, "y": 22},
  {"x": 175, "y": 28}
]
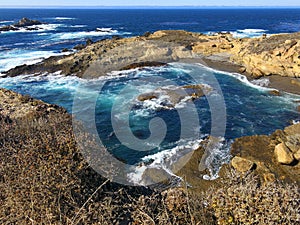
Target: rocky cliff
[{"x": 264, "y": 56}]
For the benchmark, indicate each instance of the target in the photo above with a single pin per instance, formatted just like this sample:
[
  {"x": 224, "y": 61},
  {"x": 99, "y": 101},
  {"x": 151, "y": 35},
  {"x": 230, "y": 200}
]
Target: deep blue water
[
  {"x": 248, "y": 109},
  {"x": 69, "y": 27}
]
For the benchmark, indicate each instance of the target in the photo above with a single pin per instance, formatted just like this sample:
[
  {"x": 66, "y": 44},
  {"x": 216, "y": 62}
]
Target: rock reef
[
  {"x": 170, "y": 96},
  {"x": 26, "y": 23}
]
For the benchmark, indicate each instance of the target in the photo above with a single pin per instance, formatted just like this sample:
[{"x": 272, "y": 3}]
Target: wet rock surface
[{"x": 172, "y": 95}]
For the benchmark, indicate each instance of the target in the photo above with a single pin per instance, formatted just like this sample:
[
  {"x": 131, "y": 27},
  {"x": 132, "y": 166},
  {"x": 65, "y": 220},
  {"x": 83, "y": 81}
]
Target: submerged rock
[{"x": 172, "y": 95}]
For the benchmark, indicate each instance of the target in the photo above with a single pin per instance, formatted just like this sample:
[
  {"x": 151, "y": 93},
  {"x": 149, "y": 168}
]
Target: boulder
[
  {"x": 275, "y": 92},
  {"x": 256, "y": 73},
  {"x": 242, "y": 165},
  {"x": 283, "y": 154},
  {"x": 293, "y": 142},
  {"x": 242, "y": 70}
]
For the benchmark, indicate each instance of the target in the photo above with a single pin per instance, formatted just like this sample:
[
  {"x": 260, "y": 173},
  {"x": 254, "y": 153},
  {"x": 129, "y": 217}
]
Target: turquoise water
[{"x": 249, "y": 109}]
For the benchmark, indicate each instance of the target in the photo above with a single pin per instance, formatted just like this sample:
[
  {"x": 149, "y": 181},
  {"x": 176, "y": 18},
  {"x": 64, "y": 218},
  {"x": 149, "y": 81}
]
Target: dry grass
[{"x": 44, "y": 180}]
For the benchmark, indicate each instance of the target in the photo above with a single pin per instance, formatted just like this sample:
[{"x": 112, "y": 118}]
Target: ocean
[{"x": 235, "y": 105}]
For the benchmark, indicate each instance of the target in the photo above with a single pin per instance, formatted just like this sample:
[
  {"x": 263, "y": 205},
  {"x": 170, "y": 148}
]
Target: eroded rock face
[
  {"x": 275, "y": 54},
  {"x": 283, "y": 154}
]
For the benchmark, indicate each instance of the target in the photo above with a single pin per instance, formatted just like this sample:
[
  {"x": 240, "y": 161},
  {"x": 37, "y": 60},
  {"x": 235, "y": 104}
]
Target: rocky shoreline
[
  {"x": 272, "y": 158},
  {"x": 44, "y": 179},
  {"x": 276, "y": 57},
  {"x": 254, "y": 57}
]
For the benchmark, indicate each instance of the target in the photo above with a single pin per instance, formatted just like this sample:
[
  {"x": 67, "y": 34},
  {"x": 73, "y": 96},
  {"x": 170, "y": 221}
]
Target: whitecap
[
  {"x": 17, "y": 57},
  {"x": 6, "y": 21},
  {"x": 82, "y": 34},
  {"x": 78, "y": 26},
  {"x": 64, "y": 18},
  {"x": 238, "y": 76},
  {"x": 163, "y": 160},
  {"x": 295, "y": 122},
  {"x": 245, "y": 33},
  {"x": 249, "y": 33},
  {"x": 39, "y": 28}
]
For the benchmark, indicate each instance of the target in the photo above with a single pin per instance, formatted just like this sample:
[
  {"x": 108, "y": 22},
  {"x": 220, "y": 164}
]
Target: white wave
[
  {"x": 163, "y": 160},
  {"x": 216, "y": 154},
  {"x": 295, "y": 122},
  {"x": 17, "y": 57},
  {"x": 249, "y": 33},
  {"x": 6, "y": 21},
  {"x": 105, "y": 29},
  {"x": 43, "y": 34},
  {"x": 245, "y": 33},
  {"x": 36, "y": 28},
  {"x": 64, "y": 18},
  {"x": 18, "y": 44},
  {"x": 82, "y": 34},
  {"x": 262, "y": 82},
  {"x": 78, "y": 26},
  {"x": 54, "y": 80},
  {"x": 239, "y": 77}
]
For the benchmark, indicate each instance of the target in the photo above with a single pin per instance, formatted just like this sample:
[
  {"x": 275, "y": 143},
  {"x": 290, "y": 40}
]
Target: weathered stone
[
  {"x": 297, "y": 155},
  {"x": 269, "y": 177},
  {"x": 147, "y": 96},
  {"x": 242, "y": 70},
  {"x": 275, "y": 92},
  {"x": 256, "y": 73},
  {"x": 283, "y": 154},
  {"x": 242, "y": 165},
  {"x": 24, "y": 22},
  {"x": 293, "y": 142}
]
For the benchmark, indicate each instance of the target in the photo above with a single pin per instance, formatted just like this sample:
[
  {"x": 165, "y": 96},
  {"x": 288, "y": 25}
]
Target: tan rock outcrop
[
  {"x": 242, "y": 165},
  {"x": 297, "y": 155},
  {"x": 283, "y": 154},
  {"x": 264, "y": 56},
  {"x": 273, "y": 159}
]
